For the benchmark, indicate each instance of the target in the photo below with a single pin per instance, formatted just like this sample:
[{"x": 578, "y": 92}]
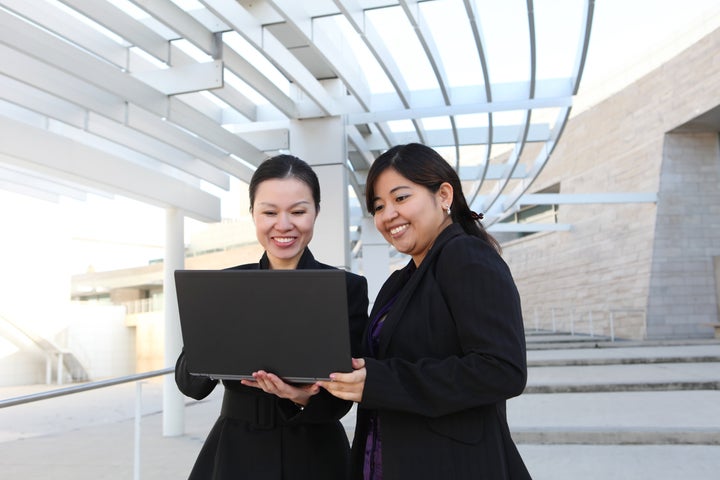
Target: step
[
  {"x": 549, "y": 340},
  {"x": 564, "y": 338},
  {"x": 616, "y": 436},
  {"x": 621, "y": 462},
  {"x": 618, "y": 418},
  {"x": 624, "y": 377},
  {"x": 625, "y": 355}
]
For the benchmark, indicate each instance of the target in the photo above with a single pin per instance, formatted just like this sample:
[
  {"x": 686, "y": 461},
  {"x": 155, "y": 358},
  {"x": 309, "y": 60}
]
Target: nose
[
  {"x": 387, "y": 213},
  {"x": 283, "y": 222}
]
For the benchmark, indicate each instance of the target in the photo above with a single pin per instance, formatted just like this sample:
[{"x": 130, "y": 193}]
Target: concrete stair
[
  {"x": 596, "y": 409},
  {"x": 588, "y": 390}
]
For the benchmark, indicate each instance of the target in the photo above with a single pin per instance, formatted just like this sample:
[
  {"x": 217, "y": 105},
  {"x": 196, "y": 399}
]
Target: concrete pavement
[{"x": 623, "y": 411}]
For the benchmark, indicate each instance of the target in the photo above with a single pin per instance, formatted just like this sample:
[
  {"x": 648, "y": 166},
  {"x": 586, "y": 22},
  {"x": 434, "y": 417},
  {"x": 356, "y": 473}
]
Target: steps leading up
[{"x": 590, "y": 391}]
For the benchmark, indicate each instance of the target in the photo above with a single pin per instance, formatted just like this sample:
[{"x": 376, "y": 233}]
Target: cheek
[
  {"x": 262, "y": 225},
  {"x": 306, "y": 225},
  {"x": 378, "y": 224}
]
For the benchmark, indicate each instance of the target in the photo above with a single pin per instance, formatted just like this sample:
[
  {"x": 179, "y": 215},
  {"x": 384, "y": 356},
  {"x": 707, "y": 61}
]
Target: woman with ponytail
[{"x": 445, "y": 345}]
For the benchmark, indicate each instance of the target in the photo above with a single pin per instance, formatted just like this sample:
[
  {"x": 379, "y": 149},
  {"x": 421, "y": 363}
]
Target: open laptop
[{"x": 293, "y": 323}]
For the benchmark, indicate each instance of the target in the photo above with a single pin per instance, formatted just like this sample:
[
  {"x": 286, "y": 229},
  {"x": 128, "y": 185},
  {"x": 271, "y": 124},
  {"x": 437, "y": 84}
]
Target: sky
[
  {"x": 631, "y": 37},
  {"x": 109, "y": 233}
]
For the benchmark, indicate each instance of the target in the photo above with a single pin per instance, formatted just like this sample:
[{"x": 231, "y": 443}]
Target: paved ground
[{"x": 642, "y": 413}]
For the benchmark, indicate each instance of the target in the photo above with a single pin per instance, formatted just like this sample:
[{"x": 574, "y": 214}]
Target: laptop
[{"x": 293, "y": 323}]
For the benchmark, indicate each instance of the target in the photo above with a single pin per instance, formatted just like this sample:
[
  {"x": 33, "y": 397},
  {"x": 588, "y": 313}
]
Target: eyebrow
[
  {"x": 296, "y": 204},
  {"x": 393, "y": 191}
]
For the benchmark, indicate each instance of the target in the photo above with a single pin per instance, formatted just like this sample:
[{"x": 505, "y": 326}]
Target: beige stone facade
[{"x": 647, "y": 266}]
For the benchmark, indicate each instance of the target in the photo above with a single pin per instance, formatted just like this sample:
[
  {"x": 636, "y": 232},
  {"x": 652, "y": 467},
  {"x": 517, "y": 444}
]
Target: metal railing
[
  {"x": 53, "y": 353},
  {"x": 59, "y": 392},
  {"x": 144, "y": 305},
  {"x": 605, "y": 322}
]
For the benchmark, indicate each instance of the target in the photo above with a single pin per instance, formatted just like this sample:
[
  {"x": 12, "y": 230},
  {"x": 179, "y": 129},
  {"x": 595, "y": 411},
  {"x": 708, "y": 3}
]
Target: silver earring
[{"x": 448, "y": 210}]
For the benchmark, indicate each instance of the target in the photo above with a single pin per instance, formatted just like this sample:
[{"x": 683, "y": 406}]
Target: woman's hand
[
  {"x": 271, "y": 383},
  {"x": 348, "y": 386}
]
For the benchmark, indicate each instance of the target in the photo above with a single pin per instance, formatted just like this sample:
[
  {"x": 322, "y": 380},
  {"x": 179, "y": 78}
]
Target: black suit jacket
[
  {"x": 286, "y": 443},
  {"x": 451, "y": 351}
]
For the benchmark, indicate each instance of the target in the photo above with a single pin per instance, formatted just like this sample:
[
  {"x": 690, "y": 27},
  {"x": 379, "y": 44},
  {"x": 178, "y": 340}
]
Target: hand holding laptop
[
  {"x": 348, "y": 386},
  {"x": 271, "y": 383}
]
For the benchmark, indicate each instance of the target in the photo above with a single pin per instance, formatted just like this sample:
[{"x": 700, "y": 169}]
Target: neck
[{"x": 282, "y": 264}]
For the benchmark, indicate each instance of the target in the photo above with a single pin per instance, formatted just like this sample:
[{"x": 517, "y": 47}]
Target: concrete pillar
[
  {"x": 716, "y": 269},
  {"x": 375, "y": 258},
  {"x": 173, "y": 400},
  {"x": 321, "y": 143}
]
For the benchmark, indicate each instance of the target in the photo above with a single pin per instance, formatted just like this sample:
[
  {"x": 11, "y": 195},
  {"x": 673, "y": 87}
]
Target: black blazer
[
  {"x": 259, "y": 436},
  {"x": 452, "y": 350}
]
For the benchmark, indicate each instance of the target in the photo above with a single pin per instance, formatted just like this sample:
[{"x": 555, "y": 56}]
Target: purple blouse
[{"x": 372, "y": 466}]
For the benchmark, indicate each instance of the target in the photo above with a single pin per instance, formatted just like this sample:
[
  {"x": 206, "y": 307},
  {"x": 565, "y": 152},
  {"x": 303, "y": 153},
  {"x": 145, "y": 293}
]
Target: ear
[{"x": 445, "y": 194}]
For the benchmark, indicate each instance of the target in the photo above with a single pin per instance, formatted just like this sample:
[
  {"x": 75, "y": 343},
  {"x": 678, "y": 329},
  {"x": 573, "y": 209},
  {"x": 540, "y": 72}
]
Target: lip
[
  {"x": 284, "y": 241},
  {"x": 398, "y": 230}
]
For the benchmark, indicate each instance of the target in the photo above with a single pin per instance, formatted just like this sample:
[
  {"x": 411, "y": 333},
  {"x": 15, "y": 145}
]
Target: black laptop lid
[{"x": 293, "y": 323}]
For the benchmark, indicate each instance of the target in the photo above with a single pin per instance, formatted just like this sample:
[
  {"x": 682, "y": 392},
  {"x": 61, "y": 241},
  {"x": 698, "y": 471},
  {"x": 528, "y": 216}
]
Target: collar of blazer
[
  {"x": 307, "y": 261},
  {"x": 406, "y": 290}
]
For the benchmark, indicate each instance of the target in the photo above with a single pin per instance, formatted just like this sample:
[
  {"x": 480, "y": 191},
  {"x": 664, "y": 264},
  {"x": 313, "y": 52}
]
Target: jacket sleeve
[
  {"x": 193, "y": 386},
  {"x": 357, "y": 297},
  {"x": 321, "y": 408},
  {"x": 489, "y": 367}
]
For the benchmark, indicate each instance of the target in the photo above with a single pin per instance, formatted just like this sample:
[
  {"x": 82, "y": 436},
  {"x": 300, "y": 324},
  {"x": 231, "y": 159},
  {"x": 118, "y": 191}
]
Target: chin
[
  {"x": 285, "y": 254},
  {"x": 290, "y": 255}
]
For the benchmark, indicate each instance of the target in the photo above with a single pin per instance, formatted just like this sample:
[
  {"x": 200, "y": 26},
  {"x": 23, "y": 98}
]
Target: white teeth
[
  {"x": 283, "y": 239},
  {"x": 399, "y": 229}
]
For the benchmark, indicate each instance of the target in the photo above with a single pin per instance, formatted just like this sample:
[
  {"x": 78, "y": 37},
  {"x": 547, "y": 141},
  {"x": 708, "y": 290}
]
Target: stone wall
[
  {"x": 682, "y": 298},
  {"x": 603, "y": 266}
]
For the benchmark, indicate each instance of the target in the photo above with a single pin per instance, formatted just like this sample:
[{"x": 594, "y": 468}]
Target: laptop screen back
[{"x": 293, "y": 323}]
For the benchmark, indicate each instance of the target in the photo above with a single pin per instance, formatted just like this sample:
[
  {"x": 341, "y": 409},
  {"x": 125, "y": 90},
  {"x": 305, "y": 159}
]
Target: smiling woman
[
  {"x": 269, "y": 429},
  {"x": 445, "y": 347}
]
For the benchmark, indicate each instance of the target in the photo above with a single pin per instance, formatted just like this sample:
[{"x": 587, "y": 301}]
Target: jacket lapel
[
  {"x": 407, "y": 291},
  {"x": 306, "y": 262}
]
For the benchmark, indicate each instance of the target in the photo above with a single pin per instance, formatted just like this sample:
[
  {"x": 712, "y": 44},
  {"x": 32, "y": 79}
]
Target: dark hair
[
  {"x": 285, "y": 166},
  {"x": 424, "y": 166}
]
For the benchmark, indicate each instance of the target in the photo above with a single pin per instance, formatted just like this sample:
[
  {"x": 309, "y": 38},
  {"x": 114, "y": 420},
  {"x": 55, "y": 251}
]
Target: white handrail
[{"x": 59, "y": 392}]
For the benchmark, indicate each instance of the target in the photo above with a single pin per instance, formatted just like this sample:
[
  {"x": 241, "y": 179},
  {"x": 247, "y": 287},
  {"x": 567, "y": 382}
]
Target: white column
[
  {"x": 173, "y": 400},
  {"x": 375, "y": 258},
  {"x": 321, "y": 143}
]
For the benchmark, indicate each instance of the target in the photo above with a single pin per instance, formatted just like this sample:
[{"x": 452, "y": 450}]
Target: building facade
[{"x": 635, "y": 270}]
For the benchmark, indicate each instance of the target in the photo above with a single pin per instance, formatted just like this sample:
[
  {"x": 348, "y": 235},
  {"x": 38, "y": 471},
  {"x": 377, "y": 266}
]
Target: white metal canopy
[{"x": 165, "y": 100}]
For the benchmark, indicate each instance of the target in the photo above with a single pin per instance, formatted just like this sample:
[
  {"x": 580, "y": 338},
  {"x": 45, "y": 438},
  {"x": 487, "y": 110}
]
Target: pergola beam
[{"x": 82, "y": 164}]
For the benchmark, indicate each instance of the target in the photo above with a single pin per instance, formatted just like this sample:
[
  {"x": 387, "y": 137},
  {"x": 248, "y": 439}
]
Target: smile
[
  {"x": 284, "y": 239},
  {"x": 398, "y": 229}
]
